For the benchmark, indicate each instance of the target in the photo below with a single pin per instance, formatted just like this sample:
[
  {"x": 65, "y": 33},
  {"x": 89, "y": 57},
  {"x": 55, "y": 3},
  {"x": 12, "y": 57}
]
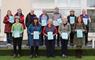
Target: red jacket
[
  {"x": 21, "y": 20},
  {"x": 8, "y": 25}
]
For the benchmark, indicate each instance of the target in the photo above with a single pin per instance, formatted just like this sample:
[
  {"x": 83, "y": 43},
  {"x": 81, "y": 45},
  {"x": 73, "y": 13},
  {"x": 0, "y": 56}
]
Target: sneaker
[
  {"x": 31, "y": 56},
  {"x": 64, "y": 56},
  {"x": 9, "y": 45},
  {"x": 19, "y": 55},
  {"x": 14, "y": 55}
]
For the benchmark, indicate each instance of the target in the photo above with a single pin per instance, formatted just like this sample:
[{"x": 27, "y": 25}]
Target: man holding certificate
[
  {"x": 29, "y": 18},
  {"x": 72, "y": 20},
  {"x": 64, "y": 30},
  {"x": 86, "y": 20},
  {"x": 56, "y": 22},
  {"x": 79, "y": 37},
  {"x": 34, "y": 31},
  {"x": 50, "y": 33},
  {"x": 43, "y": 20}
]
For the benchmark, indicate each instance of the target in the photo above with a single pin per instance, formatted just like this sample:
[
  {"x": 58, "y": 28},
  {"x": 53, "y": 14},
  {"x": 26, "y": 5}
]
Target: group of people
[{"x": 58, "y": 30}]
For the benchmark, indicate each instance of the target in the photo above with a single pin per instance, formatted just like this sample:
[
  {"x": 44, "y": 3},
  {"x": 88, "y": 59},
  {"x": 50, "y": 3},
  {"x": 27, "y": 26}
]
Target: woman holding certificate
[
  {"x": 20, "y": 15},
  {"x": 79, "y": 37},
  {"x": 43, "y": 20},
  {"x": 50, "y": 33},
  {"x": 86, "y": 20},
  {"x": 8, "y": 21},
  {"x": 64, "y": 30},
  {"x": 34, "y": 31},
  {"x": 17, "y": 30}
]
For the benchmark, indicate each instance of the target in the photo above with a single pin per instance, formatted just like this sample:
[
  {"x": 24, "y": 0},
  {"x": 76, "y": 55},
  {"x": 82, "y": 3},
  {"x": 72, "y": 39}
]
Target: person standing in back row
[
  {"x": 8, "y": 24},
  {"x": 43, "y": 19},
  {"x": 20, "y": 16},
  {"x": 56, "y": 17},
  {"x": 29, "y": 20},
  {"x": 72, "y": 20},
  {"x": 86, "y": 20}
]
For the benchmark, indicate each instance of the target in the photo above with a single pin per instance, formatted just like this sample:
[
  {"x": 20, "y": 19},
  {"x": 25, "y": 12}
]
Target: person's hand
[
  {"x": 31, "y": 33},
  {"x": 54, "y": 34},
  {"x": 45, "y": 34}
]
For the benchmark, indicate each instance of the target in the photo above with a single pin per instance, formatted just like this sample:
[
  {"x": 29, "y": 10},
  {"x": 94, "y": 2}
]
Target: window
[
  {"x": 63, "y": 3},
  {"x": 43, "y": 3},
  {"x": 91, "y": 3},
  {"x": 74, "y": 3}
]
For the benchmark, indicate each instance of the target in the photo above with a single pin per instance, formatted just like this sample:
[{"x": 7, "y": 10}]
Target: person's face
[
  {"x": 19, "y": 11},
  {"x": 35, "y": 20},
  {"x": 71, "y": 13},
  {"x": 49, "y": 22},
  {"x": 56, "y": 10},
  {"x": 17, "y": 20},
  {"x": 79, "y": 20},
  {"x": 9, "y": 12},
  {"x": 64, "y": 20},
  {"x": 32, "y": 12},
  {"x": 83, "y": 11},
  {"x": 44, "y": 12}
]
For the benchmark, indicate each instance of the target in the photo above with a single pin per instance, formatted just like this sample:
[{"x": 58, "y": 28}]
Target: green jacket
[{"x": 17, "y": 27}]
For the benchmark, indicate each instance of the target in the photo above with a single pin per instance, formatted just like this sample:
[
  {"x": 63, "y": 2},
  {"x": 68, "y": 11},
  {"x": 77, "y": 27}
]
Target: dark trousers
[
  {"x": 9, "y": 37},
  {"x": 86, "y": 38},
  {"x": 17, "y": 42},
  {"x": 41, "y": 37},
  {"x": 34, "y": 50},
  {"x": 50, "y": 47},
  {"x": 64, "y": 46},
  {"x": 58, "y": 37},
  {"x": 86, "y": 35},
  {"x": 72, "y": 38},
  {"x": 28, "y": 38},
  {"x": 78, "y": 53}
]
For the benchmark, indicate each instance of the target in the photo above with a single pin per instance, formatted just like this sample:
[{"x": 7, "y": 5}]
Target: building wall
[{"x": 27, "y": 5}]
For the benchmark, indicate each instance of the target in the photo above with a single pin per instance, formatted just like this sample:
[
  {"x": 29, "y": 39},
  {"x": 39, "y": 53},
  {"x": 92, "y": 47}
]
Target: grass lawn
[{"x": 47, "y": 58}]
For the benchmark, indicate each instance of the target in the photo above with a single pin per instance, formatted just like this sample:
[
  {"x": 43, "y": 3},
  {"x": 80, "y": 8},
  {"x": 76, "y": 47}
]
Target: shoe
[
  {"x": 19, "y": 55},
  {"x": 64, "y": 56},
  {"x": 14, "y": 55},
  {"x": 36, "y": 55},
  {"x": 31, "y": 56}
]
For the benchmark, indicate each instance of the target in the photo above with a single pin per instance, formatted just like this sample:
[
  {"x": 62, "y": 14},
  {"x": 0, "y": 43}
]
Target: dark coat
[{"x": 29, "y": 19}]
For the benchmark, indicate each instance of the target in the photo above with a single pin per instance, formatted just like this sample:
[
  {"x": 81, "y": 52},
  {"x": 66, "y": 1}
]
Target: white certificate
[
  {"x": 79, "y": 33},
  {"x": 36, "y": 35},
  {"x": 44, "y": 22},
  {"x": 11, "y": 19},
  {"x": 65, "y": 35},
  {"x": 55, "y": 23},
  {"x": 59, "y": 20},
  {"x": 50, "y": 35},
  {"x": 72, "y": 20},
  {"x": 85, "y": 21},
  {"x": 16, "y": 34}
]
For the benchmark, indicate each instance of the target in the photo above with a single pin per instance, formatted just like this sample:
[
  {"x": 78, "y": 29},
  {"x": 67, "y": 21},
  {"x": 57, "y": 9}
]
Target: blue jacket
[{"x": 31, "y": 29}]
